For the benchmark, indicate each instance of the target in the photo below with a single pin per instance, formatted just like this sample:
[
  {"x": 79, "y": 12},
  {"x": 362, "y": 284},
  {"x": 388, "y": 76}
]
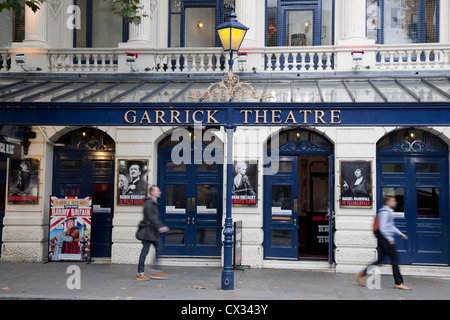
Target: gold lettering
[
  {"x": 211, "y": 116},
  {"x": 133, "y": 118},
  {"x": 290, "y": 117},
  {"x": 246, "y": 114},
  {"x": 305, "y": 120},
  {"x": 276, "y": 116},
  {"x": 194, "y": 118},
  {"x": 187, "y": 116},
  {"x": 319, "y": 117},
  {"x": 333, "y": 116},
  {"x": 146, "y": 117},
  {"x": 257, "y": 116},
  {"x": 159, "y": 116},
  {"x": 173, "y": 116}
]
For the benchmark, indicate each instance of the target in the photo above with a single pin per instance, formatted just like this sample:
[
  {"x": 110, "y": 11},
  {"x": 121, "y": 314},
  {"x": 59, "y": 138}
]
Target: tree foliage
[{"x": 130, "y": 10}]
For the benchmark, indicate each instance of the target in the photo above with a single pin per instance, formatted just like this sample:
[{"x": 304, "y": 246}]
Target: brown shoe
[
  {"x": 142, "y": 277},
  {"x": 401, "y": 287},
  {"x": 361, "y": 279},
  {"x": 158, "y": 275}
]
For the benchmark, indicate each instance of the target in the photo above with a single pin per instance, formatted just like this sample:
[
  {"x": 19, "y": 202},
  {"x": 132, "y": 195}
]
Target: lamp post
[{"x": 231, "y": 34}]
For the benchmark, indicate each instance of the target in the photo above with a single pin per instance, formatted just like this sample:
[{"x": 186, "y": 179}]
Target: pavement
[{"x": 63, "y": 281}]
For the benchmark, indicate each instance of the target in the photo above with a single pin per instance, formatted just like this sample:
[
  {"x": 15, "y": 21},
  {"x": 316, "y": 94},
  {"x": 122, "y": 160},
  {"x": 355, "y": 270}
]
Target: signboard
[
  {"x": 23, "y": 181},
  {"x": 132, "y": 182},
  {"x": 70, "y": 229},
  {"x": 356, "y": 184},
  {"x": 227, "y": 114},
  {"x": 245, "y": 183}
]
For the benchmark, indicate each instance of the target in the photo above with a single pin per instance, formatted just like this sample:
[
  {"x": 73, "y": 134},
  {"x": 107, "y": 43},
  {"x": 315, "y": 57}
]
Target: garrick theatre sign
[
  {"x": 247, "y": 117},
  {"x": 227, "y": 114}
]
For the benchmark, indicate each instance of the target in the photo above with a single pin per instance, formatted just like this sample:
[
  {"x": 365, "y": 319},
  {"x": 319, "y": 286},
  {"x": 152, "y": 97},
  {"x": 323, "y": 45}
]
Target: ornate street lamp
[{"x": 231, "y": 34}]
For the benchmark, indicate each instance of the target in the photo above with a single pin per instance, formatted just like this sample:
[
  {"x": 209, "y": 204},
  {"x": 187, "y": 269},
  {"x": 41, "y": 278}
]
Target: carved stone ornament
[{"x": 55, "y": 6}]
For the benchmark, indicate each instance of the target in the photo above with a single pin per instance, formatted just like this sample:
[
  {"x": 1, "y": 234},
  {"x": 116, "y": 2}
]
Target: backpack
[{"x": 376, "y": 227}]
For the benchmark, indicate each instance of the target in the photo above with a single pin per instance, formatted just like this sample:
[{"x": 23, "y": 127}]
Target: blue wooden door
[
  {"x": 281, "y": 207},
  {"x": 420, "y": 185},
  {"x": 85, "y": 173},
  {"x": 191, "y": 206}
]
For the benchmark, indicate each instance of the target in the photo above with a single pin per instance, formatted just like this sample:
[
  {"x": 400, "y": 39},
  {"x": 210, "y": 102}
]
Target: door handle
[
  {"x": 193, "y": 220},
  {"x": 188, "y": 220},
  {"x": 295, "y": 222}
]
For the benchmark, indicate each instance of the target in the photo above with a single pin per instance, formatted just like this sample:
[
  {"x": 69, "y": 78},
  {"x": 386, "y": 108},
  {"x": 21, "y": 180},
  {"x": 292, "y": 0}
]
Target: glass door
[
  {"x": 191, "y": 206},
  {"x": 418, "y": 185}
]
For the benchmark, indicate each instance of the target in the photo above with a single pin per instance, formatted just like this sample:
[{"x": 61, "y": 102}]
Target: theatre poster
[{"x": 70, "y": 228}]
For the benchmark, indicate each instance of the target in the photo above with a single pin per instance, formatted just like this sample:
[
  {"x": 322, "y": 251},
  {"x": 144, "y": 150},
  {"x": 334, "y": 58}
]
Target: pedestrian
[
  {"x": 151, "y": 237},
  {"x": 386, "y": 243}
]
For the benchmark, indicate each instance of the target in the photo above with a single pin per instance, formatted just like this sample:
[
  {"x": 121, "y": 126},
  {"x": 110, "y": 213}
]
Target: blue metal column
[{"x": 228, "y": 272}]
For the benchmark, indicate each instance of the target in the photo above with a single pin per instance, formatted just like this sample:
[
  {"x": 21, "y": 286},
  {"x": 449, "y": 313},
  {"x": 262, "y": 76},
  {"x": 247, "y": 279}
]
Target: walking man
[
  {"x": 153, "y": 230},
  {"x": 386, "y": 242}
]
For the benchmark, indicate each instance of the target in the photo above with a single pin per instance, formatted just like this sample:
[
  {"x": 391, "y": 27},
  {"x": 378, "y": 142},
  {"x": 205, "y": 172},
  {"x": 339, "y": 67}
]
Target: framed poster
[
  {"x": 70, "y": 229},
  {"x": 356, "y": 184},
  {"x": 132, "y": 182},
  {"x": 245, "y": 183},
  {"x": 23, "y": 181}
]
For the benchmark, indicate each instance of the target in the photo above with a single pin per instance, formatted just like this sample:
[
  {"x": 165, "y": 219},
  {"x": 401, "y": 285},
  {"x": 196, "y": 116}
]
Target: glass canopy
[{"x": 373, "y": 90}]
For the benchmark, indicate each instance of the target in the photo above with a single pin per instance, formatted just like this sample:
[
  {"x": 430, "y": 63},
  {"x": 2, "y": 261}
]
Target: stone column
[
  {"x": 36, "y": 26},
  {"x": 251, "y": 13},
  {"x": 351, "y": 36},
  {"x": 140, "y": 34}
]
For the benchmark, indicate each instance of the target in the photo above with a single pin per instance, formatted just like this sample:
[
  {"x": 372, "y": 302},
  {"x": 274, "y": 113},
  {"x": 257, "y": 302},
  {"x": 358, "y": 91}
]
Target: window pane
[
  {"x": 428, "y": 202},
  {"x": 104, "y": 21},
  {"x": 393, "y": 168},
  {"x": 282, "y": 197},
  {"x": 170, "y": 166},
  {"x": 206, "y": 198},
  {"x": 71, "y": 164},
  {"x": 69, "y": 189},
  {"x": 299, "y": 28},
  {"x": 399, "y": 194},
  {"x": 176, "y": 195},
  {"x": 175, "y": 236},
  {"x": 281, "y": 238},
  {"x": 272, "y": 23},
  {"x": 206, "y": 237},
  {"x": 427, "y": 167},
  {"x": 430, "y": 21}
]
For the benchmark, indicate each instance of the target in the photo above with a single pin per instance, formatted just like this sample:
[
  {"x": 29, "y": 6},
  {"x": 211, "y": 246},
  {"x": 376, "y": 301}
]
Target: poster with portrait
[
  {"x": 23, "y": 181},
  {"x": 132, "y": 182},
  {"x": 70, "y": 228},
  {"x": 245, "y": 183},
  {"x": 356, "y": 184}
]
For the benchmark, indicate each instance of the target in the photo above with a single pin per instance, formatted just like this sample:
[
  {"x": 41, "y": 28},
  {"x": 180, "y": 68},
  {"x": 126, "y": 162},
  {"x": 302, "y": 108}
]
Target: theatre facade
[{"x": 319, "y": 120}]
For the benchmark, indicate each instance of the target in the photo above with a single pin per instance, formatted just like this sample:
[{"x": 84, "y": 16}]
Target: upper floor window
[
  {"x": 193, "y": 22},
  {"x": 12, "y": 26},
  {"x": 403, "y": 21},
  {"x": 299, "y": 23},
  {"x": 97, "y": 20}
]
